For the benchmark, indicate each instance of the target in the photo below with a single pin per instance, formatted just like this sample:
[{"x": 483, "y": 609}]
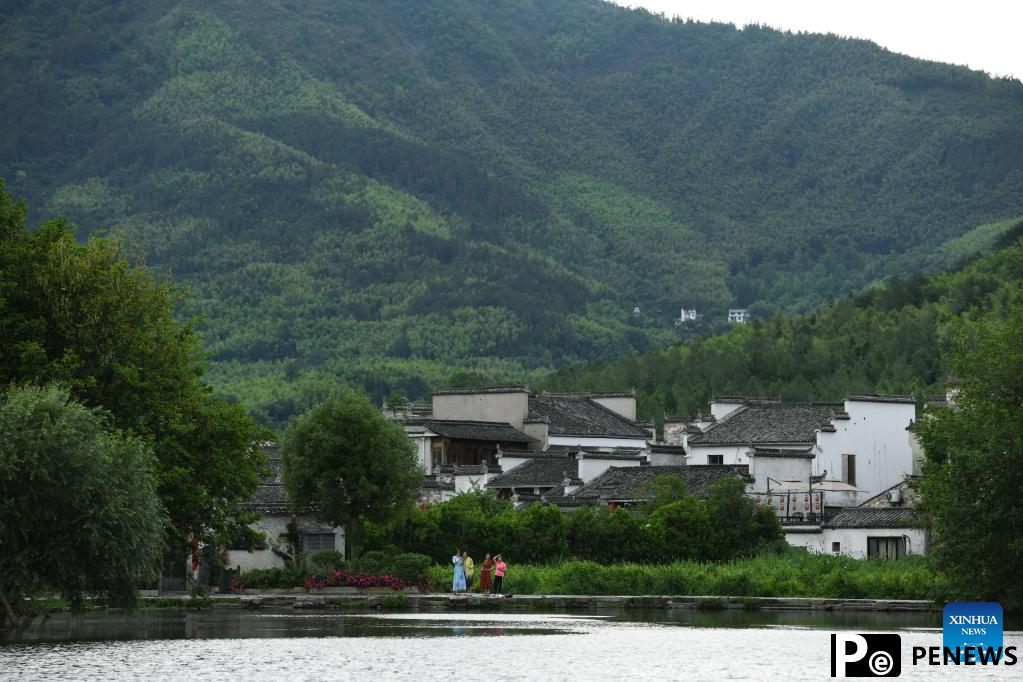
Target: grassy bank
[{"x": 793, "y": 574}]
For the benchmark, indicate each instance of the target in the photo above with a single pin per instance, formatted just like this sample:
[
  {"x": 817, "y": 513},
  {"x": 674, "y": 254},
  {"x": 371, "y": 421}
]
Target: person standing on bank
[
  {"x": 458, "y": 584},
  {"x": 486, "y": 573},
  {"x": 499, "y": 570},
  {"x": 467, "y": 563}
]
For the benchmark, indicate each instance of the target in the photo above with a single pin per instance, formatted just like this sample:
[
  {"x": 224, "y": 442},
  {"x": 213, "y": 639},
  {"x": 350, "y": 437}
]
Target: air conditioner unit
[{"x": 894, "y": 496}]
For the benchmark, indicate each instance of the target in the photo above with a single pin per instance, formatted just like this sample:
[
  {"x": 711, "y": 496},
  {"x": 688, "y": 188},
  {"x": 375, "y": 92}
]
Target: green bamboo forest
[{"x": 398, "y": 196}]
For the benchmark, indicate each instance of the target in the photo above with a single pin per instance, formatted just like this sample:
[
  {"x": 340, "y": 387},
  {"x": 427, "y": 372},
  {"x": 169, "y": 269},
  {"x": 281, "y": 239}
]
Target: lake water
[{"x": 615, "y": 645}]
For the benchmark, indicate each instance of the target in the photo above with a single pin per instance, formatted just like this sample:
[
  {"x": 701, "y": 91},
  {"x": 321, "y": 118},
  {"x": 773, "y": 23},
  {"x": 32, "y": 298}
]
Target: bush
[
  {"x": 265, "y": 578},
  {"x": 328, "y": 558},
  {"x": 409, "y": 567}
]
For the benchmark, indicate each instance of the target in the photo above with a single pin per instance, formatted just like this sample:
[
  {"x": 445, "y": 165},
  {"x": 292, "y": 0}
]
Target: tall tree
[
  {"x": 88, "y": 316},
  {"x": 78, "y": 508},
  {"x": 974, "y": 471},
  {"x": 347, "y": 463}
]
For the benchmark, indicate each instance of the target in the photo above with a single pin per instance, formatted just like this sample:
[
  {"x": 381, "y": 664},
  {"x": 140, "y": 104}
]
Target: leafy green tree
[
  {"x": 974, "y": 471},
  {"x": 742, "y": 527},
  {"x": 79, "y": 511},
  {"x": 347, "y": 463},
  {"x": 85, "y": 315},
  {"x": 683, "y": 530}
]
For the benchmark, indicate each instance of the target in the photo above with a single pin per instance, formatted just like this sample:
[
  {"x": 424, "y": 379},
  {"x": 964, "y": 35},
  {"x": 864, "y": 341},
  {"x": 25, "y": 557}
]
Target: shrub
[
  {"x": 409, "y": 567},
  {"x": 328, "y": 558}
]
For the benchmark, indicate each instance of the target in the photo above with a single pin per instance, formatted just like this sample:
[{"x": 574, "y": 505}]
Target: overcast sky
[{"x": 982, "y": 34}]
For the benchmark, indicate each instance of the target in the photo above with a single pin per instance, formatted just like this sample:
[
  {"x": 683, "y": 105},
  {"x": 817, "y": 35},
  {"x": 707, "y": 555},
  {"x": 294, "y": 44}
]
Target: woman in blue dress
[{"x": 458, "y": 584}]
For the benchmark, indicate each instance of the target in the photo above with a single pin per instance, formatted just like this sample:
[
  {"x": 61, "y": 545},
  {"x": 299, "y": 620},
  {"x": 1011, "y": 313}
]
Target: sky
[{"x": 981, "y": 34}]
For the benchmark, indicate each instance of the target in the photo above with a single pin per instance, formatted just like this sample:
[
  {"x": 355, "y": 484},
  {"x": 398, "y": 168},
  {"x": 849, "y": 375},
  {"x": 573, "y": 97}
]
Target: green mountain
[
  {"x": 388, "y": 192},
  {"x": 894, "y": 338}
]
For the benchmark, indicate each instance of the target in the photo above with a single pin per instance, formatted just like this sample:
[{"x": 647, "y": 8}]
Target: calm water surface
[{"x": 618, "y": 645}]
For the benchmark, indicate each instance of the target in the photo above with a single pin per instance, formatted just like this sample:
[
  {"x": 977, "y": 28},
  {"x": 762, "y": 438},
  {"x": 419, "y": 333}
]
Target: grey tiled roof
[
  {"x": 876, "y": 398},
  {"x": 492, "y": 389},
  {"x": 469, "y": 469},
  {"x": 269, "y": 498},
  {"x": 873, "y": 517},
  {"x": 805, "y": 453},
  {"x": 497, "y": 432},
  {"x": 540, "y": 472},
  {"x": 629, "y": 484},
  {"x": 580, "y": 416},
  {"x": 767, "y": 423},
  {"x": 434, "y": 483}
]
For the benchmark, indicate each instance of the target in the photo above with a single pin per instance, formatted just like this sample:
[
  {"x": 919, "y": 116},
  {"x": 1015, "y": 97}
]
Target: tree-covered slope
[
  {"x": 895, "y": 338},
  {"x": 387, "y": 191}
]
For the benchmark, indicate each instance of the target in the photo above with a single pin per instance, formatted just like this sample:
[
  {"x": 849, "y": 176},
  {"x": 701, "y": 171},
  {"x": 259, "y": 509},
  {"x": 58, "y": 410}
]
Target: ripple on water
[{"x": 256, "y": 646}]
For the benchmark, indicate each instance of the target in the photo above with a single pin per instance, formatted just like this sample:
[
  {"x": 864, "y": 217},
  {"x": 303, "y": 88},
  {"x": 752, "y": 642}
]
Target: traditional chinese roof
[
  {"x": 575, "y": 415},
  {"x": 875, "y": 398},
  {"x": 469, "y": 469},
  {"x": 803, "y": 453},
  {"x": 496, "y": 432},
  {"x": 768, "y": 423},
  {"x": 434, "y": 483},
  {"x": 873, "y": 517},
  {"x": 740, "y": 400},
  {"x": 630, "y": 484},
  {"x": 269, "y": 498},
  {"x": 469, "y": 391},
  {"x": 541, "y": 472}
]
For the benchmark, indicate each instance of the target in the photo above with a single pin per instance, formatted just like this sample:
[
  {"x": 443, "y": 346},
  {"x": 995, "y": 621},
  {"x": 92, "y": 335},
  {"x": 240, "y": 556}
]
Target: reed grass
[{"x": 790, "y": 574}]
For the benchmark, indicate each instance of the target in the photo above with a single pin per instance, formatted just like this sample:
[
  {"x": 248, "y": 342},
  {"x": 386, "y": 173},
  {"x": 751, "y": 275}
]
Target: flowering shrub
[{"x": 345, "y": 578}]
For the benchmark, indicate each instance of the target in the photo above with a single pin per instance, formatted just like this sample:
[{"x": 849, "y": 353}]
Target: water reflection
[{"x": 156, "y": 625}]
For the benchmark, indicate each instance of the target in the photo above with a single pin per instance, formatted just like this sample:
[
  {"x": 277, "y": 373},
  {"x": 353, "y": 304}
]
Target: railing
[{"x": 804, "y": 519}]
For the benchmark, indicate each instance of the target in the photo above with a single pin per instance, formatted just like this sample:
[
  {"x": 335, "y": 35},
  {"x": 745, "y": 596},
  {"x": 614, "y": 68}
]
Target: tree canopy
[
  {"x": 974, "y": 471},
  {"x": 79, "y": 511},
  {"x": 347, "y": 464},
  {"x": 91, "y": 317}
]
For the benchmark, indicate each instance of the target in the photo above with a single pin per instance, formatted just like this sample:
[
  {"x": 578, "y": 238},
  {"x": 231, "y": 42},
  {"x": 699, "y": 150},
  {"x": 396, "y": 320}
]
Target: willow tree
[
  {"x": 346, "y": 463},
  {"x": 79, "y": 512}
]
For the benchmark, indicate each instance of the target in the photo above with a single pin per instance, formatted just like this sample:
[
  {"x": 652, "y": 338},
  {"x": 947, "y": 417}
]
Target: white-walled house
[
  {"x": 270, "y": 500},
  {"x": 861, "y": 442},
  {"x": 863, "y": 532}
]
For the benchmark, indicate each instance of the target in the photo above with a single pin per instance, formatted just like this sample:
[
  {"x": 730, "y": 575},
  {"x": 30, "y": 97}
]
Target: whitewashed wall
[
  {"x": 854, "y": 540},
  {"x": 273, "y": 527},
  {"x": 510, "y": 407},
  {"x": 623, "y": 405},
  {"x": 591, "y": 467},
  {"x": 733, "y": 454},
  {"x": 779, "y": 469},
  {"x": 721, "y": 410},
  {"x": 876, "y": 434}
]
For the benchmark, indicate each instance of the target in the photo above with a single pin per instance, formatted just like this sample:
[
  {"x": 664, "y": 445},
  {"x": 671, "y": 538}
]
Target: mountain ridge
[{"x": 386, "y": 194}]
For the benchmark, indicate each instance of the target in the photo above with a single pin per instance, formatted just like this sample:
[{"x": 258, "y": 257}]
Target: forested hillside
[
  {"x": 892, "y": 339},
  {"x": 387, "y": 192}
]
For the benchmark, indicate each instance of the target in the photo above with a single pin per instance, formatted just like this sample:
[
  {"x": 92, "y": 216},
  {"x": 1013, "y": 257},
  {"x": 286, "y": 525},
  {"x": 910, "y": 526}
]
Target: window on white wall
[
  {"x": 317, "y": 542},
  {"x": 836, "y": 547},
  {"x": 715, "y": 459}
]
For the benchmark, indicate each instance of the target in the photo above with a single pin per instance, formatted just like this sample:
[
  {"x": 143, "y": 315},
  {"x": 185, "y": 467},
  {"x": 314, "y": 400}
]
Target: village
[{"x": 837, "y": 474}]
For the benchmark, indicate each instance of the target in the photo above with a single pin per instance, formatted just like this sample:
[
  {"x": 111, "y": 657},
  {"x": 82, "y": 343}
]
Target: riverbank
[{"x": 534, "y": 602}]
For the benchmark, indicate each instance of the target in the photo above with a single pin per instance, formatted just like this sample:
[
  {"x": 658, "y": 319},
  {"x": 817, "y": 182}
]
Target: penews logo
[
  {"x": 971, "y": 630},
  {"x": 866, "y": 655}
]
